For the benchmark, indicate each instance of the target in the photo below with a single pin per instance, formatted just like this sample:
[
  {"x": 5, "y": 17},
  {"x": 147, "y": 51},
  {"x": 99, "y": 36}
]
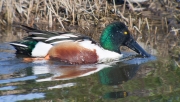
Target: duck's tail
[
  {"x": 24, "y": 46},
  {"x": 31, "y": 47}
]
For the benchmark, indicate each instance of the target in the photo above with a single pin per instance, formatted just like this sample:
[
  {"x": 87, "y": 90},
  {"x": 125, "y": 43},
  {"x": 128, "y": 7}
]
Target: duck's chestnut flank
[{"x": 73, "y": 53}]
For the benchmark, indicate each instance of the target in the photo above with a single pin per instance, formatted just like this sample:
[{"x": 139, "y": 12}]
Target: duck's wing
[
  {"x": 27, "y": 44},
  {"x": 38, "y": 42},
  {"x": 53, "y": 37}
]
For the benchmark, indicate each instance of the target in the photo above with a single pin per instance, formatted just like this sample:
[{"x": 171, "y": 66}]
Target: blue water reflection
[
  {"x": 14, "y": 98},
  {"x": 18, "y": 79},
  {"x": 8, "y": 88}
]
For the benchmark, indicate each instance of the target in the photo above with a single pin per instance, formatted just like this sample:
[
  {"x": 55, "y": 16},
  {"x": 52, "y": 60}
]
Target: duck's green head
[{"x": 117, "y": 34}]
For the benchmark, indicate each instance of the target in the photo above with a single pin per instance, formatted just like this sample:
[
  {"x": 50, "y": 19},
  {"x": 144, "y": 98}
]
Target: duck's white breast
[{"x": 103, "y": 54}]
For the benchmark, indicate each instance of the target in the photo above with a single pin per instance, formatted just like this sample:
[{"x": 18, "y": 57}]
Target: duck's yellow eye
[{"x": 125, "y": 32}]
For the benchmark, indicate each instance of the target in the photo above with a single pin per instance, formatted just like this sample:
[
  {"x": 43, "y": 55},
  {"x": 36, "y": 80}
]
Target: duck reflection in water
[
  {"x": 67, "y": 72},
  {"x": 111, "y": 74},
  {"x": 117, "y": 75}
]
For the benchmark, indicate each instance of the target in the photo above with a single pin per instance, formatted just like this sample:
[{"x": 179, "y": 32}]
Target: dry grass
[{"x": 63, "y": 12}]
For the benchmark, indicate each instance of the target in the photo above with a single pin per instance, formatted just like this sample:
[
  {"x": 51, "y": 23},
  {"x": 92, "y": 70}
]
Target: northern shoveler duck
[{"x": 76, "y": 48}]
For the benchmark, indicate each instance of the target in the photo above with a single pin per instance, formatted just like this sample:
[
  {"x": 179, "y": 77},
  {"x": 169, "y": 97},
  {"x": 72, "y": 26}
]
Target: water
[{"x": 154, "y": 79}]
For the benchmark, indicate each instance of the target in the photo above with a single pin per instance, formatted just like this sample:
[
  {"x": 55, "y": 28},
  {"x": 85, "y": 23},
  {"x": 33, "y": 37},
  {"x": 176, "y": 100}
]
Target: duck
[{"x": 77, "y": 48}]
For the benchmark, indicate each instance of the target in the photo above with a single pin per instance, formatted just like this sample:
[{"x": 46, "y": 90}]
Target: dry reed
[{"x": 53, "y": 11}]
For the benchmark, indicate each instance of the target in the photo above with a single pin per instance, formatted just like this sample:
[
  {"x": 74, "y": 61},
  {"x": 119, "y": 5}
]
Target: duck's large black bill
[{"x": 132, "y": 44}]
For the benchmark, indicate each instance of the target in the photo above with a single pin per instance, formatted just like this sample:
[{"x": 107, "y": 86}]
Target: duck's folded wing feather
[{"x": 53, "y": 37}]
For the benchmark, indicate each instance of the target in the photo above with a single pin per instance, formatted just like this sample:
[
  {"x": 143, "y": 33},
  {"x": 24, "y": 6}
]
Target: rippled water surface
[{"x": 154, "y": 79}]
